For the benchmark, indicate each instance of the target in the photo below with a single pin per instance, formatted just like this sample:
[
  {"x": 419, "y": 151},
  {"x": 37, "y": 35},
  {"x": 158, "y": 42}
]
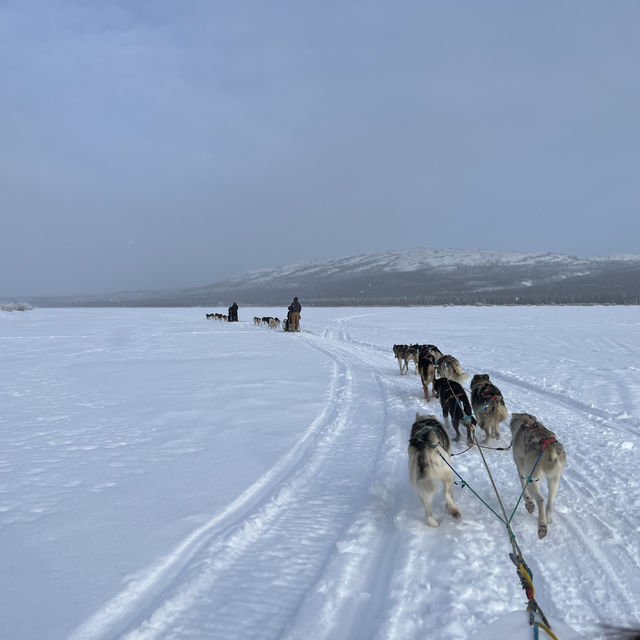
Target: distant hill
[{"x": 408, "y": 277}]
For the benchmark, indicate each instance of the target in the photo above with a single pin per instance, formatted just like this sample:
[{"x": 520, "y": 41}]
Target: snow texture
[
  {"x": 165, "y": 476},
  {"x": 407, "y": 260}
]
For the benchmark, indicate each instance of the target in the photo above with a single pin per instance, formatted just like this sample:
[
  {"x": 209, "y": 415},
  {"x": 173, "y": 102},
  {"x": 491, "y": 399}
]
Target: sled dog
[
  {"x": 428, "y": 445},
  {"x": 454, "y": 403},
  {"x": 427, "y": 370},
  {"x": 433, "y": 350},
  {"x": 405, "y": 353},
  {"x": 532, "y": 442},
  {"x": 398, "y": 351},
  {"x": 488, "y": 405},
  {"x": 449, "y": 367}
]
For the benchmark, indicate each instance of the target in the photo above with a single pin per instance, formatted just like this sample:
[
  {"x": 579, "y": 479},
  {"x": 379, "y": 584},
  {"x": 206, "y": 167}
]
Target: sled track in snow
[
  {"x": 368, "y": 547},
  {"x": 561, "y": 399},
  {"x": 308, "y": 551},
  {"x": 150, "y": 588},
  {"x": 282, "y": 530}
]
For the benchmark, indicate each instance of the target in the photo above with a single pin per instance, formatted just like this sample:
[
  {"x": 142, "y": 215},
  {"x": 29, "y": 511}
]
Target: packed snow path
[{"x": 255, "y": 482}]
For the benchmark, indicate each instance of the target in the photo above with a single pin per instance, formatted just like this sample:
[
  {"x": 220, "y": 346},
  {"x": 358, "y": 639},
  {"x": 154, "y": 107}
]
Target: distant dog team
[{"x": 274, "y": 323}]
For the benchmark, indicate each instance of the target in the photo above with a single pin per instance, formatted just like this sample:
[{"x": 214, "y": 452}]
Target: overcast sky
[{"x": 151, "y": 144}]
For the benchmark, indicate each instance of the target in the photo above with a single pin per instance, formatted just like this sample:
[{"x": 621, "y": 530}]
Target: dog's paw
[
  {"x": 542, "y": 531},
  {"x": 432, "y": 522},
  {"x": 529, "y": 504},
  {"x": 455, "y": 514}
]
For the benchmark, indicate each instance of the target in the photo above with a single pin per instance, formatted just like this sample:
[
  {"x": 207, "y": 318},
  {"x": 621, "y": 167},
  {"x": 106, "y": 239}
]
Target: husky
[
  {"x": 533, "y": 443},
  {"x": 427, "y": 370},
  {"x": 488, "y": 405},
  {"x": 454, "y": 403},
  {"x": 449, "y": 367},
  {"x": 405, "y": 353},
  {"x": 428, "y": 445},
  {"x": 274, "y": 323},
  {"x": 433, "y": 350},
  {"x": 398, "y": 350},
  {"x": 257, "y": 321}
]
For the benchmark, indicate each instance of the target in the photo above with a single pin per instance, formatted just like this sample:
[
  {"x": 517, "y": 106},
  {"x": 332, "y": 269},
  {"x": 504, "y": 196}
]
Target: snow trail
[{"x": 317, "y": 532}]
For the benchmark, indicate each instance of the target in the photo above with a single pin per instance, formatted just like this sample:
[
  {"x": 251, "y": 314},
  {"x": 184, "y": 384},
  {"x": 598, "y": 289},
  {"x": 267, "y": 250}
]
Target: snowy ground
[{"x": 167, "y": 476}]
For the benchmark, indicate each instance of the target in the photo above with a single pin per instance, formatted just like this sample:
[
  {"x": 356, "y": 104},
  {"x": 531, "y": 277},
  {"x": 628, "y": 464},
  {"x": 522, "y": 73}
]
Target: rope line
[
  {"x": 547, "y": 630},
  {"x": 524, "y": 572},
  {"x": 529, "y": 479},
  {"x": 466, "y": 484}
]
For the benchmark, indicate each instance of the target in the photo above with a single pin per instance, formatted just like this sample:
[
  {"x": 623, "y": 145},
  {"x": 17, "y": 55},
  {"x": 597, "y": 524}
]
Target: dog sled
[{"x": 287, "y": 326}]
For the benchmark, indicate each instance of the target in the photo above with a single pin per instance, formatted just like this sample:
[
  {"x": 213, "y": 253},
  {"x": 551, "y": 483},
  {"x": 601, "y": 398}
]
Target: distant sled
[{"x": 286, "y": 326}]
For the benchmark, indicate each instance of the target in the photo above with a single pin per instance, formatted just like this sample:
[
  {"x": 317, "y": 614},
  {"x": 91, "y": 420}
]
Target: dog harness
[
  {"x": 424, "y": 429},
  {"x": 533, "y": 442},
  {"x": 489, "y": 392},
  {"x": 545, "y": 443}
]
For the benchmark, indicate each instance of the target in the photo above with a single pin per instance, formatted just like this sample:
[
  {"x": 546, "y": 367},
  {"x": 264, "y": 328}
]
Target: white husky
[
  {"x": 428, "y": 445},
  {"x": 531, "y": 442}
]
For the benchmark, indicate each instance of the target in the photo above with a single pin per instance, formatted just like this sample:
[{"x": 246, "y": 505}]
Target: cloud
[{"x": 224, "y": 136}]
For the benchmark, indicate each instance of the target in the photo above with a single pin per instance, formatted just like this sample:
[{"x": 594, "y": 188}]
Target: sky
[{"x": 162, "y": 144}]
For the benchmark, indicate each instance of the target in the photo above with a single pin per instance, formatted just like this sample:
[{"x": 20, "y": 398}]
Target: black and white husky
[
  {"x": 535, "y": 446},
  {"x": 429, "y": 447},
  {"x": 454, "y": 403}
]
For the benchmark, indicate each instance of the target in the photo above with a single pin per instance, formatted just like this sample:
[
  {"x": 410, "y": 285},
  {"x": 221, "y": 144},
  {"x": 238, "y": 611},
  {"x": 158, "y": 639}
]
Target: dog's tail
[
  {"x": 450, "y": 368},
  {"x": 555, "y": 450},
  {"x": 498, "y": 409}
]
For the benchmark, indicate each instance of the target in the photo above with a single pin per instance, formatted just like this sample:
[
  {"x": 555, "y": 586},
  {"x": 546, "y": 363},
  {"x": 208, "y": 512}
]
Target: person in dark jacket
[
  {"x": 294, "y": 315},
  {"x": 233, "y": 313}
]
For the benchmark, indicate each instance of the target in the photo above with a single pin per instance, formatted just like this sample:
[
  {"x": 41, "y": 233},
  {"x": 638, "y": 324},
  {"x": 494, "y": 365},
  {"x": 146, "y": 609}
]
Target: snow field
[{"x": 167, "y": 476}]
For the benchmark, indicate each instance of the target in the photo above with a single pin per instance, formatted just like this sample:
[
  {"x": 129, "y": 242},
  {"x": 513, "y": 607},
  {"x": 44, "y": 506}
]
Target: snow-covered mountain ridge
[
  {"x": 442, "y": 276},
  {"x": 415, "y": 259},
  {"x": 409, "y": 276}
]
